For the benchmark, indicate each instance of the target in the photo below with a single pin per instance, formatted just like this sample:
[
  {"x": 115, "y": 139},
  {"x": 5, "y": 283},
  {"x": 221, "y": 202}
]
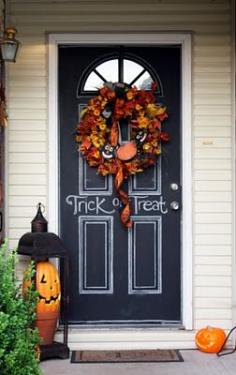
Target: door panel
[
  {"x": 119, "y": 275},
  {"x": 145, "y": 261},
  {"x": 95, "y": 255}
]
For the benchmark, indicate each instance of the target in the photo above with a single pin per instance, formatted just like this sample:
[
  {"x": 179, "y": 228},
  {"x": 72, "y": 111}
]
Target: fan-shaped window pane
[
  {"x": 109, "y": 70},
  {"x": 144, "y": 82},
  {"x": 131, "y": 70},
  {"x": 93, "y": 83},
  {"x": 118, "y": 70}
]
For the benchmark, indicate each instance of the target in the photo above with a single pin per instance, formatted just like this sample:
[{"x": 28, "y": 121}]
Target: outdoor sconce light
[
  {"x": 9, "y": 45},
  {"x": 8, "y": 51}
]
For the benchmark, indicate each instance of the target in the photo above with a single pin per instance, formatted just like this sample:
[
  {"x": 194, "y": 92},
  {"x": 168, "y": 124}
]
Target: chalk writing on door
[{"x": 101, "y": 205}]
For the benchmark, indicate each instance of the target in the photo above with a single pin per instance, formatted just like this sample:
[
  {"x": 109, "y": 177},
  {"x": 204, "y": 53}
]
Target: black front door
[{"x": 119, "y": 275}]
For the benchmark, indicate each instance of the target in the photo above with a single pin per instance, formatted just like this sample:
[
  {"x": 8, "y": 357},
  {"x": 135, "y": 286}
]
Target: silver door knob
[
  {"x": 174, "y": 205},
  {"x": 174, "y": 186}
]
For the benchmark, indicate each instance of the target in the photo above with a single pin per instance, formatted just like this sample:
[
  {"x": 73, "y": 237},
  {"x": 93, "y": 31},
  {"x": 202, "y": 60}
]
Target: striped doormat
[{"x": 119, "y": 356}]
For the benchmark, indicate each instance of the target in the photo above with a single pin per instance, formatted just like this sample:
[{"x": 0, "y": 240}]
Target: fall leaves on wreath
[
  {"x": 116, "y": 106},
  {"x": 99, "y": 134}
]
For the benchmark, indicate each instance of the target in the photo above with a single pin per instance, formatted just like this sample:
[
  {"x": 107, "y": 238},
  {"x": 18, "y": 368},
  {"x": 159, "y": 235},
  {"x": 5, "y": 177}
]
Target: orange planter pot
[{"x": 46, "y": 324}]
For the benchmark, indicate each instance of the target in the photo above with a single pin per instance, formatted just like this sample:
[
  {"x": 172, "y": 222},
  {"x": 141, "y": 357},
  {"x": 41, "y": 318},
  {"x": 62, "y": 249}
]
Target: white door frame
[{"x": 182, "y": 39}]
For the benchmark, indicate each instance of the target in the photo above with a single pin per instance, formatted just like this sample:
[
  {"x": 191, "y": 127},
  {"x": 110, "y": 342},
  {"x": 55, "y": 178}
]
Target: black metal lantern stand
[{"x": 41, "y": 245}]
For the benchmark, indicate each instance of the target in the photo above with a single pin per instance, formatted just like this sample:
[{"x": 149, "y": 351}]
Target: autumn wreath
[{"x": 99, "y": 134}]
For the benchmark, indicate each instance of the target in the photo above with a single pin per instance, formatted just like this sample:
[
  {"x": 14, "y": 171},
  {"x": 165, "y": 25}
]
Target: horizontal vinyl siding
[
  {"x": 210, "y": 25},
  {"x": 212, "y": 181}
]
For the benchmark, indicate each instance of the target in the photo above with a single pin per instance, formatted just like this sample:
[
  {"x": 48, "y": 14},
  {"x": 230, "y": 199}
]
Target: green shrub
[{"x": 18, "y": 337}]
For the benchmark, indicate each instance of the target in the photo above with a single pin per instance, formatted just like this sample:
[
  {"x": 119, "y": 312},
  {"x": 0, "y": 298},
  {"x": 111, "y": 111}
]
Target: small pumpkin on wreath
[{"x": 116, "y": 108}]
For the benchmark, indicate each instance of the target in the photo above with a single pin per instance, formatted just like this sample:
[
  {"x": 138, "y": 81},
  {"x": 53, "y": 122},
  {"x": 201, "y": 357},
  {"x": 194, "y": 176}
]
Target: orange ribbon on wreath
[
  {"x": 114, "y": 136},
  {"x": 126, "y": 211}
]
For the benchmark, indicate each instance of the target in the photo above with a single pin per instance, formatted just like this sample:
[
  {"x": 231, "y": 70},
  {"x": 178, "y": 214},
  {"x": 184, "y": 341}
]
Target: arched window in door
[{"x": 125, "y": 68}]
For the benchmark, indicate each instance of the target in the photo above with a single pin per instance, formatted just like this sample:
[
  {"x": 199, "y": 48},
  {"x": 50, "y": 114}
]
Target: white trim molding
[
  {"x": 233, "y": 81},
  {"x": 182, "y": 39}
]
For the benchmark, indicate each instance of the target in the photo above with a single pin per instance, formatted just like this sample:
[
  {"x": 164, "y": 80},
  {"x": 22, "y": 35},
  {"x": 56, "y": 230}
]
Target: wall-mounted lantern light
[{"x": 9, "y": 45}]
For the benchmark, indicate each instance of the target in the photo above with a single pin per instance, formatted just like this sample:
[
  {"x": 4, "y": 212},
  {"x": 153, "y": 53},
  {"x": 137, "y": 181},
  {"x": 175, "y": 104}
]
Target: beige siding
[{"x": 210, "y": 24}]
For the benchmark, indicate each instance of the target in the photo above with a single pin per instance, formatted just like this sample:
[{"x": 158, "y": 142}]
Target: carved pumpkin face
[
  {"x": 210, "y": 339},
  {"x": 48, "y": 286}
]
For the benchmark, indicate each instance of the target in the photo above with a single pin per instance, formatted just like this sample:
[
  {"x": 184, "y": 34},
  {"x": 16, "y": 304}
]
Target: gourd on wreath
[
  {"x": 119, "y": 106},
  {"x": 48, "y": 305},
  {"x": 210, "y": 339}
]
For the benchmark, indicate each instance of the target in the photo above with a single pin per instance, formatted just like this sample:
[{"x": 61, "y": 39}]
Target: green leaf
[{"x": 18, "y": 337}]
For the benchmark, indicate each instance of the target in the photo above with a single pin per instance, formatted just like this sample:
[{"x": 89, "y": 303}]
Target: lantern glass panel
[{"x": 9, "y": 50}]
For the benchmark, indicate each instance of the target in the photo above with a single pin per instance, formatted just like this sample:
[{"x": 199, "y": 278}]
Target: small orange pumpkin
[
  {"x": 127, "y": 151},
  {"x": 210, "y": 339}
]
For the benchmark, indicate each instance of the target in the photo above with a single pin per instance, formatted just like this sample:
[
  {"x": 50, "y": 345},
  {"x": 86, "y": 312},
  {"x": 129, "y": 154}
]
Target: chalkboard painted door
[{"x": 119, "y": 275}]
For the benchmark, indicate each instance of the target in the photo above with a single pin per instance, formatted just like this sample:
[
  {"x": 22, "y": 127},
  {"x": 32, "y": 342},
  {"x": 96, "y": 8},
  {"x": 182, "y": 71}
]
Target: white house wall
[{"x": 27, "y": 148}]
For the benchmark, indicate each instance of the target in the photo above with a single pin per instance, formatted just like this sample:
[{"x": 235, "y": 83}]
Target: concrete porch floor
[{"x": 195, "y": 363}]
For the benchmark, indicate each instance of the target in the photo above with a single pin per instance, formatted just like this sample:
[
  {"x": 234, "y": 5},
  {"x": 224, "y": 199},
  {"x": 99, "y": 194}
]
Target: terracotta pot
[{"x": 46, "y": 323}]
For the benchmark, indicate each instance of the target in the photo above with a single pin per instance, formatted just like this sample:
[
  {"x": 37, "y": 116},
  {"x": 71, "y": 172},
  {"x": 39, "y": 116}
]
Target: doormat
[{"x": 119, "y": 356}]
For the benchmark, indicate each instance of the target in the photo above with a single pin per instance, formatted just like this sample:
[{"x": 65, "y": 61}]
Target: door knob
[
  {"x": 174, "y": 205},
  {"x": 174, "y": 186}
]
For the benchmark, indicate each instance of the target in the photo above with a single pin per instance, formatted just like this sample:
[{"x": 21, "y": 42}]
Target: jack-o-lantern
[
  {"x": 210, "y": 339},
  {"x": 48, "y": 305},
  {"x": 48, "y": 287}
]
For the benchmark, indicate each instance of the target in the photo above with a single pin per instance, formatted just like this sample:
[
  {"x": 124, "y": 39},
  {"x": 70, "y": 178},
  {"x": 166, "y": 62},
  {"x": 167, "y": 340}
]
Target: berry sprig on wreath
[{"x": 98, "y": 134}]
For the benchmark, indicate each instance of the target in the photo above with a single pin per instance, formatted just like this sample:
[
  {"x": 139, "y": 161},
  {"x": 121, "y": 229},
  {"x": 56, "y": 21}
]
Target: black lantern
[{"x": 41, "y": 245}]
